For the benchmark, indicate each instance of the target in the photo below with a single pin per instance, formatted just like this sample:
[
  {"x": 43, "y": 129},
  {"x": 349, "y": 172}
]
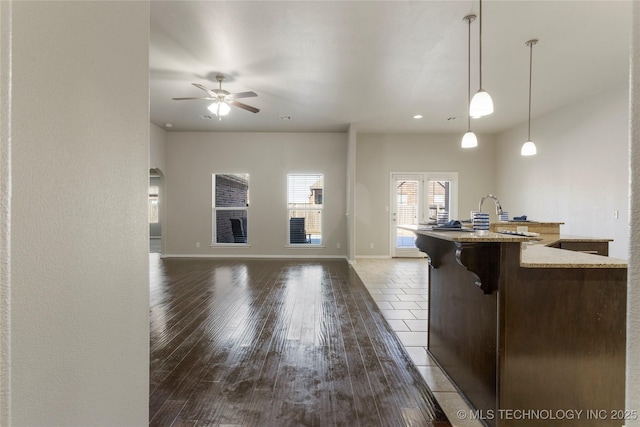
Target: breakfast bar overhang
[{"x": 524, "y": 327}]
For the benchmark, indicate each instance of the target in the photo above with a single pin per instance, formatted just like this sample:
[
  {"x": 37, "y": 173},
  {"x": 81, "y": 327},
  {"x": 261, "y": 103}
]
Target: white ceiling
[{"x": 377, "y": 63}]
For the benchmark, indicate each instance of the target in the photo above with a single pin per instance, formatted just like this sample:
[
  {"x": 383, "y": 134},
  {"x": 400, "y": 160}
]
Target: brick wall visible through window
[{"x": 231, "y": 201}]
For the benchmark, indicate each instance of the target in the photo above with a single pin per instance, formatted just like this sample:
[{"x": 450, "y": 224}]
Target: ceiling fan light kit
[
  {"x": 222, "y": 99},
  {"x": 219, "y": 108}
]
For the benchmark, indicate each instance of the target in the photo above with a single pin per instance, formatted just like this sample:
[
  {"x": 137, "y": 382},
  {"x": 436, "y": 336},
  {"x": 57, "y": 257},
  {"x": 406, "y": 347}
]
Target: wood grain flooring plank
[
  {"x": 276, "y": 343},
  {"x": 234, "y": 379},
  {"x": 365, "y": 407}
]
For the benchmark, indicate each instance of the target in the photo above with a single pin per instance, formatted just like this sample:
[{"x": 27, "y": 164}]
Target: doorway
[
  {"x": 417, "y": 199},
  {"x": 155, "y": 211}
]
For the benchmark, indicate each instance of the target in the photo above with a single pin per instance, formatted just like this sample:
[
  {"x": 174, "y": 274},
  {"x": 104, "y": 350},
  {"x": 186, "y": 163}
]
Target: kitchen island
[{"x": 529, "y": 334}]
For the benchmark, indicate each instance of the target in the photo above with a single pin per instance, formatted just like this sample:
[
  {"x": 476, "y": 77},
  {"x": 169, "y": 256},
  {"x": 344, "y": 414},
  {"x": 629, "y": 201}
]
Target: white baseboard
[
  {"x": 373, "y": 256},
  {"x": 240, "y": 256}
]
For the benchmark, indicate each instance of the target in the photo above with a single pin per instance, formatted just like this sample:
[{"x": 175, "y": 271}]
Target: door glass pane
[
  {"x": 407, "y": 203},
  {"x": 439, "y": 200}
]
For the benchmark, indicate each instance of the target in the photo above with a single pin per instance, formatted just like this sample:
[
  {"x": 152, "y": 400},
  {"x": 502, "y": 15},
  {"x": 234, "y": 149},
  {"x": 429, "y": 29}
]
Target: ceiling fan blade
[
  {"x": 209, "y": 91},
  {"x": 244, "y": 106},
  {"x": 186, "y": 99},
  {"x": 244, "y": 95}
]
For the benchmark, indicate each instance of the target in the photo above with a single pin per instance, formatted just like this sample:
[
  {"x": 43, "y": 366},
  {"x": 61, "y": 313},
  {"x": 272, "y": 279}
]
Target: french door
[{"x": 416, "y": 201}]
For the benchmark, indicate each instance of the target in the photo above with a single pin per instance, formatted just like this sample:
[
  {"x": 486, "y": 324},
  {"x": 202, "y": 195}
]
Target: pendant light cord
[
  {"x": 480, "y": 44},
  {"x": 469, "y": 20},
  {"x": 530, "y": 43}
]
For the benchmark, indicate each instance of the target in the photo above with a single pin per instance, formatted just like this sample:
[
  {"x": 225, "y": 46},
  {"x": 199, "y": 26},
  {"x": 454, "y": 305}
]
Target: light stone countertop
[
  {"x": 551, "y": 239},
  {"x": 571, "y": 238},
  {"x": 469, "y": 236},
  {"x": 513, "y": 222},
  {"x": 532, "y": 255},
  {"x": 540, "y": 256}
]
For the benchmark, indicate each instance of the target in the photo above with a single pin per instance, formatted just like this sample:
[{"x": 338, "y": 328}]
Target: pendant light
[
  {"x": 529, "y": 148},
  {"x": 469, "y": 139},
  {"x": 481, "y": 104}
]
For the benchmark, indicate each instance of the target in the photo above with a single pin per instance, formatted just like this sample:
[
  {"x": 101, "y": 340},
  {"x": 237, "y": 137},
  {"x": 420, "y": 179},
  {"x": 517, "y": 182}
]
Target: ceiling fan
[{"x": 222, "y": 99}]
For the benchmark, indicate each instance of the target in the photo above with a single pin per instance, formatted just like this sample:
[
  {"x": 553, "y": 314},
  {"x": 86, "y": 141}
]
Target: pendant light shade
[
  {"x": 469, "y": 139},
  {"x": 529, "y": 148},
  {"x": 481, "y": 104}
]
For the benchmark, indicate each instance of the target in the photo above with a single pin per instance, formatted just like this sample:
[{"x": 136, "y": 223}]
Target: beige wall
[
  {"x": 157, "y": 150},
  {"x": 380, "y": 154},
  {"x": 633, "y": 300},
  {"x": 580, "y": 175},
  {"x": 76, "y": 118},
  {"x": 5, "y": 214},
  {"x": 192, "y": 157}
]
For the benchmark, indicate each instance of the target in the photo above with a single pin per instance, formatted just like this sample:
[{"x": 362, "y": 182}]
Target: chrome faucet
[{"x": 495, "y": 200}]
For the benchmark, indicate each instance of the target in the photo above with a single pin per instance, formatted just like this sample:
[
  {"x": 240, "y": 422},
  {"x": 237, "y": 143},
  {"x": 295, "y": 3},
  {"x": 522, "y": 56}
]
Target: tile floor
[{"x": 399, "y": 287}]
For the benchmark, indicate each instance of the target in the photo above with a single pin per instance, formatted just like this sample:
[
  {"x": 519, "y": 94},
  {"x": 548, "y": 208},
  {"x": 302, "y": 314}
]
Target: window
[
  {"x": 304, "y": 203},
  {"x": 230, "y": 206},
  {"x": 153, "y": 205}
]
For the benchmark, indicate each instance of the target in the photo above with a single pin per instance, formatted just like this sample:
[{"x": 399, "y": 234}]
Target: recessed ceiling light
[
  {"x": 168, "y": 125},
  {"x": 417, "y": 116}
]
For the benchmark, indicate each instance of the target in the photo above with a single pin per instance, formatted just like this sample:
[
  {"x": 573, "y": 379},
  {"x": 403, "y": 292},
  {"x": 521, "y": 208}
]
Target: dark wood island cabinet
[{"x": 530, "y": 335}]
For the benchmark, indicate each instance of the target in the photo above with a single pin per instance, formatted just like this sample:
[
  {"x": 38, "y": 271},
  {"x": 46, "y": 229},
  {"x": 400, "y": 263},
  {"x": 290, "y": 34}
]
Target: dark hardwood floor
[{"x": 276, "y": 343}]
